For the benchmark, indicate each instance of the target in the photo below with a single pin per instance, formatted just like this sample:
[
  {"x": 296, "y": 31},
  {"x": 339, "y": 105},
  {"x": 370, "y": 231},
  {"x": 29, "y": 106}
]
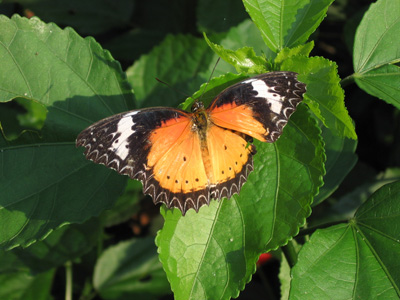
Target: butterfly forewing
[
  {"x": 259, "y": 106},
  {"x": 121, "y": 142}
]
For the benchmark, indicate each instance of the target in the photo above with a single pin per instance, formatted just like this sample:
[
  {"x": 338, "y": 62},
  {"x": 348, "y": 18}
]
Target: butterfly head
[{"x": 197, "y": 105}]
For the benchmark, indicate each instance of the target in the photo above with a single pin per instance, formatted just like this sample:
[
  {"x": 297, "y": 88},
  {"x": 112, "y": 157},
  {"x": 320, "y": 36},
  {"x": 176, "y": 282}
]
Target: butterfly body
[{"x": 185, "y": 159}]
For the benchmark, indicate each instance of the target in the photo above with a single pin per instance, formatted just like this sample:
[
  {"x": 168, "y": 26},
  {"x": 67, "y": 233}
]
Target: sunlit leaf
[
  {"x": 376, "y": 52},
  {"x": 354, "y": 260}
]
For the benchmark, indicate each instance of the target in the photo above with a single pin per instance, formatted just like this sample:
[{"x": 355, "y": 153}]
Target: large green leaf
[
  {"x": 286, "y": 23},
  {"x": 324, "y": 96},
  {"x": 46, "y": 184},
  {"x": 62, "y": 71},
  {"x": 341, "y": 158},
  {"x": 212, "y": 254},
  {"x": 45, "y": 181},
  {"x": 358, "y": 260},
  {"x": 179, "y": 61},
  {"x": 376, "y": 52},
  {"x": 130, "y": 270}
]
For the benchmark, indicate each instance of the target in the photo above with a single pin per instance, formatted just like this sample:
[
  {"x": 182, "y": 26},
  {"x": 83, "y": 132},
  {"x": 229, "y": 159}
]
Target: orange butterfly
[{"x": 185, "y": 159}]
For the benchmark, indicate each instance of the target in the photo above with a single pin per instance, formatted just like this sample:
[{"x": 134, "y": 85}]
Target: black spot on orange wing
[{"x": 230, "y": 165}]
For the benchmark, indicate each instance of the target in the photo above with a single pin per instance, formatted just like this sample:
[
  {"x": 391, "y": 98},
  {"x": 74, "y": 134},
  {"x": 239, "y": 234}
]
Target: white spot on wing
[
  {"x": 124, "y": 127},
  {"x": 249, "y": 80},
  {"x": 132, "y": 113},
  {"x": 264, "y": 91}
]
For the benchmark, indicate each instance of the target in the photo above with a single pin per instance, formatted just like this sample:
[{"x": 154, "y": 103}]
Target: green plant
[{"x": 55, "y": 205}]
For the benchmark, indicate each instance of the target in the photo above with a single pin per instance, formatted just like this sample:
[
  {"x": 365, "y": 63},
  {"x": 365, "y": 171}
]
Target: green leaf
[
  {"x": 383, "y": 82},
  {"x": 324, "y": 96},
  {"x": 184, "y": 70},
  {"x": 45, "y": 181},
  {"x": 302, "y": 50},
  {"x": 243, "y": 59},
  {"x": 24, "y": 286},
  {"x": 172, "y": 63},
  {"x": 46, "y": 184},
  {"x": 376, "y": 52},
  {"x": 286, "y": 23},
  {"x": 60, "y": 70},
  {"x": 358, "y": 260},
  {"x": 64, "y": 244},
  {"x": 212, "y": 254},
  {"x": 130, "y": 270},
  {"x": 245, "y": 34},
  {"x": 341, "y": 158},
  {"x": 347, "y": 205}
]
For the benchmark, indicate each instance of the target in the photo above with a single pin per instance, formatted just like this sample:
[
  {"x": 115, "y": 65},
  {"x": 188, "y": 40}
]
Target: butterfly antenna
[
  {"x": 208, "y": 81},
  {"x": 172, "y": 87}
]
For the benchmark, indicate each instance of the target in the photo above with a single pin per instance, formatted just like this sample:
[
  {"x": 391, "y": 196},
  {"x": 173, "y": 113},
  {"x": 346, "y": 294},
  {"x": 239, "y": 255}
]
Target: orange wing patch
[
  {"x": 177, "y": 175},
  {"x": 239, "y": 118},
  {"x": 165, "y": 137},
  {"x": 185, "y": 171},
  {"x": 231, "y": 160},
  {"x": 179, "y": 168}
]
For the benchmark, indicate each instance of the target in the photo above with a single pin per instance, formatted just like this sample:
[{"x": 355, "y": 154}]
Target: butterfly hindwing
[
  {"x": 259, "y": 106},
  {"x": 178, "y": 174},
  {"x": 231, "y": 160}
]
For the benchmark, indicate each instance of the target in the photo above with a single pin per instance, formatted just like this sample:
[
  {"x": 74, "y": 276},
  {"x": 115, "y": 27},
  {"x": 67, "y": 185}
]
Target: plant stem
[
  {"x": 346, "y": 81},
  {"x": 68, "y": 280},
  {"x": 290, "y": 254}
]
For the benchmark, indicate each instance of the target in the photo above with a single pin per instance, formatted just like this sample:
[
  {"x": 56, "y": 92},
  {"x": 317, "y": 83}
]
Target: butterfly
[{"x": 185, "y": 159}]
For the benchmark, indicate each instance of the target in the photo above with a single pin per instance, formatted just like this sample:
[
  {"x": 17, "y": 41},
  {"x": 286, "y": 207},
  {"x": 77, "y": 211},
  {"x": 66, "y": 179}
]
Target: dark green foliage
[{"x": 61, "y": 213}]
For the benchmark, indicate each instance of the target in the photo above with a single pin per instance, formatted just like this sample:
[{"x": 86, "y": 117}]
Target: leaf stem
[
  {"x": 346, "y": 81},
  {"x": 68, "y": 280},
  {"x": 290, "y": 254}
]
